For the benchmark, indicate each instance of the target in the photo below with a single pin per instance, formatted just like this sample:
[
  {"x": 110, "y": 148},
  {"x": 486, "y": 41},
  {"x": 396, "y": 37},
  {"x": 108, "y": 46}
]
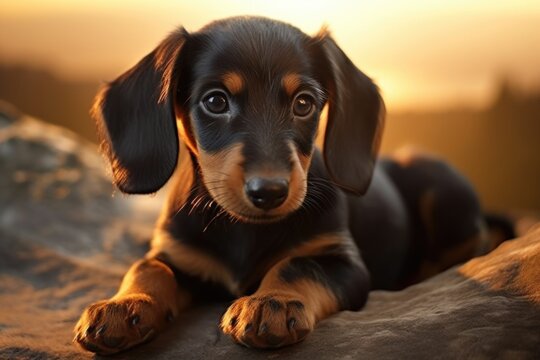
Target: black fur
[
  {"x": 355, "y": 120},
  {"x": 136, "y": 114},
  {"x": 136, "y": 121},
  {"x": 245, "y": 247},
  {"x": 347, "y": 278}
]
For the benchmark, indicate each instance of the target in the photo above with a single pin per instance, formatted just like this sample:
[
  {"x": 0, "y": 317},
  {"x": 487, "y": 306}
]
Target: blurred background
[{"x": 460, "y": 78}]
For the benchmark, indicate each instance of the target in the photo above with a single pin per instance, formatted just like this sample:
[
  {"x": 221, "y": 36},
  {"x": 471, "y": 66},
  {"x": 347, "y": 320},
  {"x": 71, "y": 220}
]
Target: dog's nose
[{"x": 267, "y": 193}]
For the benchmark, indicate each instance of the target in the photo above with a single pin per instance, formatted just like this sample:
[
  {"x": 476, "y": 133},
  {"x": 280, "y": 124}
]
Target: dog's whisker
[{"x": 220, "y": 212}]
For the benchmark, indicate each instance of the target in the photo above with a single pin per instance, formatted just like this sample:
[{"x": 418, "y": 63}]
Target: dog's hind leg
[{"x": 447, "y": 220}]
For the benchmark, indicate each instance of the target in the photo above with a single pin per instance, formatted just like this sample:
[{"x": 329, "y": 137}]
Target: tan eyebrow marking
[
  {"x": 291, "y": 82},
  {"x": 233, "y": 81}
]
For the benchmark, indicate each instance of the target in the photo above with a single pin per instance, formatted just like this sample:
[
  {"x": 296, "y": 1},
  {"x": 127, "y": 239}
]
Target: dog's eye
[
  {"x": 303, "y": 105},
  {"x": 216, "y": 102}
]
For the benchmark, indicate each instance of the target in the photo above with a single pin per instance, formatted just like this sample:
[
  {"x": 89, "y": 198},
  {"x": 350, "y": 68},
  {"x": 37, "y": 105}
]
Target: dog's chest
[{"x": 249, "y": 251}]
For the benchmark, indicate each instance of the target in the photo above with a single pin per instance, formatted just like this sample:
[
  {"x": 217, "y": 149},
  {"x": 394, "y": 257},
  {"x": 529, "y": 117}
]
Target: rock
[{"x": 65, "y": 243}]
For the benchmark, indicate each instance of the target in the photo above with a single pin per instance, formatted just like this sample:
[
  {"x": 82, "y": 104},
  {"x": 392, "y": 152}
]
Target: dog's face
[
  {"x": 250, "y": 112},
  {"x": 247, "y": 94}
]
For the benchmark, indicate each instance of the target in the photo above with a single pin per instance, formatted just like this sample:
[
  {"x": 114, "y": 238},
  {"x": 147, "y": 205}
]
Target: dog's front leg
[
  {"x": 295, "y": 294},
  {"x": 148, "y": 298}
]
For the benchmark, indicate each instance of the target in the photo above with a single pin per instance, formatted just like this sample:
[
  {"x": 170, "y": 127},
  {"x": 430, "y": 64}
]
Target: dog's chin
[
  {"x": 256, "y": 218},
  {"x": 247, "y": 214}
]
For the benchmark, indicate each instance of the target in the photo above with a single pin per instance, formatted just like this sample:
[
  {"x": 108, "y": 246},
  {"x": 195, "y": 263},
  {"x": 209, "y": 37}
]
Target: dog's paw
[
  {"x": 114, "y": 325},
  {"x": 267, "y": 321}
]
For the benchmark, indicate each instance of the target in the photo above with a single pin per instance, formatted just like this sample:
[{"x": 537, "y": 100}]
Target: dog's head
[{"x": 246, "y": 95}]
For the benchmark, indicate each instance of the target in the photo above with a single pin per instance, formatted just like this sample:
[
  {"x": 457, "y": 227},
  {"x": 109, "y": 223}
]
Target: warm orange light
[{"x": 427, "y": 54}]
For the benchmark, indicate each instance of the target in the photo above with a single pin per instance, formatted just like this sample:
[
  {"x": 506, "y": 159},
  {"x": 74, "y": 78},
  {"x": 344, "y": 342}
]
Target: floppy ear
[
  {"x": 355, "y": 118},
  {"x": 136, "y": 120}
]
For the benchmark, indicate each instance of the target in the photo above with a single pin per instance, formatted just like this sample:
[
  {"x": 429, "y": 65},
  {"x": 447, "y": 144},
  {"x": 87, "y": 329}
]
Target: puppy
[{"x": 256, "y": 212}]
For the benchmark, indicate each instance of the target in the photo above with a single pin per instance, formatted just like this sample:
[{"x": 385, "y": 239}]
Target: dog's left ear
[
  {"x": 136, "y": 119},
  {"x": 355, "y": 117}
]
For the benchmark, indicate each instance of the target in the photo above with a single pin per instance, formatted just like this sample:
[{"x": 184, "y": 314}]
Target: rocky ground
[{"x": 66, "y": 238}]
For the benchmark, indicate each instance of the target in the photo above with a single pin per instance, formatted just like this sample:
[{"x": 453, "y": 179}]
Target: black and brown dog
[{"x": 256, "y": 213}]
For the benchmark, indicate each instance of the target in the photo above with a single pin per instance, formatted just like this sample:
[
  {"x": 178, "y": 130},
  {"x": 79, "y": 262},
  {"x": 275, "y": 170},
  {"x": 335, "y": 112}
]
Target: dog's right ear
[
  {"x": 355, "y": 117},
  {"x": 136, "y": 120}
]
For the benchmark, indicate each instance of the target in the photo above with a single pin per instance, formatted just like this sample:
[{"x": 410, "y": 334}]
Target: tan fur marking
[
  {"x": 407, "y": 155},
  {"x": 234, "y": 82},
  {"x": 185, "y": 138},
  {"x": 276, "y": 302},
  {"x": 291, "y": 82},
  {"x": 460, "y": 253},
  {"x": 453, "y": 256},
  {"x": 298, "y": 180},
  {"x": 317, "y": 298},
  {"x": 381, "y": 120},
  {"x": 318, "y": 244},
  {"x": 474, "y": 246},
  {"x": 513, "y": 266},
  {"x": 192, "y": 261},
  {"x": 182, "y": 182},
  {"x": 147, "y": 300},
  {"x": 444, "y": 258},
  {"x": 319, "y": 301},
  {"x": 305, "y": 161},
  {"x": 297, "y": 186},
  {"x": 224, "y": 177},
  {"x": 153, "y": 278},
  {"x": 321, "y": 131},
  {"x": 311, "y": 247}
]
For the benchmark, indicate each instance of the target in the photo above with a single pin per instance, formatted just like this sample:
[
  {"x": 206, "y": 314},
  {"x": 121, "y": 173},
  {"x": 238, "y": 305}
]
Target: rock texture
[{"x": 66, "y": 238}]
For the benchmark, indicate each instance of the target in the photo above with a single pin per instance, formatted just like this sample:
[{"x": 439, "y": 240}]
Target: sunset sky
[{"x": 423, "y": 54}]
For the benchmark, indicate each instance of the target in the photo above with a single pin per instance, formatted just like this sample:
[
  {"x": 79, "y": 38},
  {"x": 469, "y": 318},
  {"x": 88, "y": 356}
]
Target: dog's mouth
[
  {"x": 243, "y": 209},
  {"x": 239, "y": 207},
  {"x": 258, "y": 219}
]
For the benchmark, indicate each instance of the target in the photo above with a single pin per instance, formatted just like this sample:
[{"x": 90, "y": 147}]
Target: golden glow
[{"x": 426, "y": 54}]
